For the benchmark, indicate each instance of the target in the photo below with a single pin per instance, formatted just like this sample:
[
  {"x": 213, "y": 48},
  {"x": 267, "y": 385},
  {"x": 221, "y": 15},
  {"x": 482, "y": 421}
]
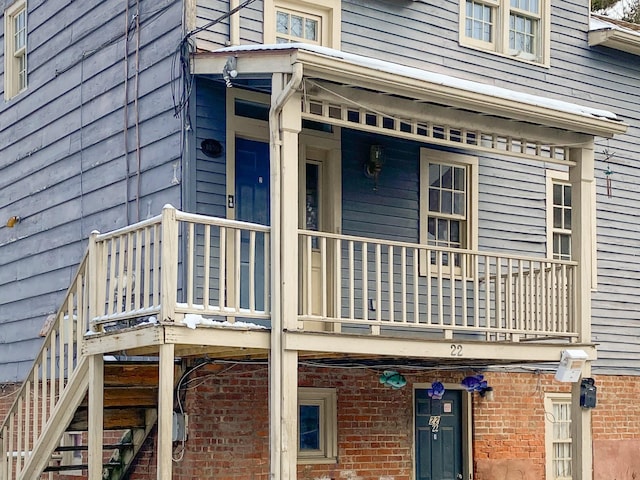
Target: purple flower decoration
[
  {"x": 474, "y": 383},
  {"x": 436, "y": 391}
]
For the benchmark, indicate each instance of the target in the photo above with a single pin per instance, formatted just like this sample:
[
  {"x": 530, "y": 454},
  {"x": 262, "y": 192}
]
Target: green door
[{"x": 439, "y": 442}]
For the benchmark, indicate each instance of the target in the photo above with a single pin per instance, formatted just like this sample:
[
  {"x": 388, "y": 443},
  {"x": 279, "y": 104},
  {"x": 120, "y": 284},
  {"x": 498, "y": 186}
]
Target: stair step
[
  {"x": 136, "y": 374},
  {"x": 128, "y": 397},
  {"x": 84, "y": 448},
  {"x": 114, "y": 419},
  {"x": 66, "y": 468}
]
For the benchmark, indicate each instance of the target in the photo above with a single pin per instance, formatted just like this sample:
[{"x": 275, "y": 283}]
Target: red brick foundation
[{"x": 229, "y": 432}]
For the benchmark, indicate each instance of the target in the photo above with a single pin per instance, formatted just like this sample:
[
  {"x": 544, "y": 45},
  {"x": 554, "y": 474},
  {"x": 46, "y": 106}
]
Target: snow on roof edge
[
  {"x": 432, "y": 77},
  {"x": 600, "y": 22}
]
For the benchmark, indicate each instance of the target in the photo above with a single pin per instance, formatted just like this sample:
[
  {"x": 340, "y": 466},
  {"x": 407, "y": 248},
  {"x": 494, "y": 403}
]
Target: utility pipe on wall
[{"x": 234, "y": 24}]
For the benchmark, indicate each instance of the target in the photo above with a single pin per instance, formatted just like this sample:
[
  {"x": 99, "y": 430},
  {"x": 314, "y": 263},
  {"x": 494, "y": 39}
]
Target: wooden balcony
[
  {"x": 178, "y": 264},
  {"x": 397, "y": 299}
]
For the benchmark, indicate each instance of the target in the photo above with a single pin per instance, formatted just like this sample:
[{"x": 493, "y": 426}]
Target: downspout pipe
[{"x": 275, "y": 386}]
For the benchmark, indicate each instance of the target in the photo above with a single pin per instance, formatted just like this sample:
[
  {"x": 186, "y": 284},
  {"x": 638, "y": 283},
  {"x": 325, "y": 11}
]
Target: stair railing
[{"x": 52, "y": 370}]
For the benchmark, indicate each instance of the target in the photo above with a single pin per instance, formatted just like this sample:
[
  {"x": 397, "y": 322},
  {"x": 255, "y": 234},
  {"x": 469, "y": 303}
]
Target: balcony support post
[
  {"x": 165, "y": 411},
  {"x": 581, "y": 177},
  {"x": 96, "y": 416},
  {"x": 285, "y": 123}
]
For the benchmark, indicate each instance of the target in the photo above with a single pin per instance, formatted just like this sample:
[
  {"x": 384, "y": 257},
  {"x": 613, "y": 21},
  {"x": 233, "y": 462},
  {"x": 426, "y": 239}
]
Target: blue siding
[
  {"x": 211, "y": 180},
  {"x": 62, "y": 152}
]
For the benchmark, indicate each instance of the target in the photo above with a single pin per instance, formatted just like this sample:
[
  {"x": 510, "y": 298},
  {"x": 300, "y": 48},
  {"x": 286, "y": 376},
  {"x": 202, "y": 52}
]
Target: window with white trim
[
  {"x": 15, "y": 49},
  {"x": 317, "y": 425},
  {"x": 518, "y": 28},
  {"x": 559, "y": 214},
  {"x": 448, "y": 203},
  {"x": 558, "y": 435},
  {"x": 316, "y": 22}
]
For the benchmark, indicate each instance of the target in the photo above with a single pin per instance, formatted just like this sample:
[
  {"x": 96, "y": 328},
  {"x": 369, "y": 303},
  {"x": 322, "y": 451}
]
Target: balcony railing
[
  {"x": 393, "y": 286},
  {"x": 180, "y": 263}
]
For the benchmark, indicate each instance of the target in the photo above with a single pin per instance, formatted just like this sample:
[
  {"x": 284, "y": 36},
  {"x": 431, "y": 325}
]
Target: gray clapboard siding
[
  {"x": 62, "y": 166},
  {"x": 425, "y": 35},
  {"x": 211, "y": 190},
  {"x": 218, "y": 35}
]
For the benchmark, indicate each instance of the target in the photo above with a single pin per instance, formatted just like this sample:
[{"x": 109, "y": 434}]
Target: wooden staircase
[
  {"x": 130, "y": 413},
  {"x": 53, "y": 401}
]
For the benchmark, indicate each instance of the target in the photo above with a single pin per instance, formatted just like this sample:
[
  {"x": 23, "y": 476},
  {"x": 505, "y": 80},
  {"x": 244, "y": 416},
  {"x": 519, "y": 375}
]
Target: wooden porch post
[
  {"x": 283, "y": 371},
  {"x": 165, "y": 411},
  {"x": 582, "y": 224},
  {"x": 96, "y": 416}
]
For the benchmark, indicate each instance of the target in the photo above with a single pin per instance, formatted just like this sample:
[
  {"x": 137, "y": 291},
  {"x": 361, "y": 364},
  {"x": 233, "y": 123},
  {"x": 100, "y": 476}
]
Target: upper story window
[
  {"x": 315, "y": 22},
  {"x": 561, "y": 227},
  {"x": 294, "y": 26},
  {"x": 559, "y": 213},
  {"x": 448, "y": 202},
  {"x": 15, "y": 49},
  {"x": 518, "y": 28}
]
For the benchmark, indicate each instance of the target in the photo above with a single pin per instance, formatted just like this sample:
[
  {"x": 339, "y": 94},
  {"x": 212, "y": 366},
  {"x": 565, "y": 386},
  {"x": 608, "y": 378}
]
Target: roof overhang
[
  {"x": 394, "y": 79},
  {"x": 613, "y": 35}
]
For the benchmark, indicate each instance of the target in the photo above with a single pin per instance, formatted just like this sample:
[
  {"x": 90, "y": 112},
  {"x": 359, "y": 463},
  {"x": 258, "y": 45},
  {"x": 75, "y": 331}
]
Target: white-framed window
[
  {"x": 317, "y": 425},
  {"x": 559, "y": 220},
  {"x": 558, "y": 435},
  {"x": 448, "y": 203},
  {"x": 559, "y": 212},
  {"x": 15, "y": 49},
  {"x": 316, "y": 22},
  {"x": 518, "y": 28}
]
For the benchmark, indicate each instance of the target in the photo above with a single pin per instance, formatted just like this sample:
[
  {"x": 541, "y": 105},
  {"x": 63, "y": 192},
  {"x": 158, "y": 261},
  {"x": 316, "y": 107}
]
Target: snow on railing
[{"x": 384, "y": 284}]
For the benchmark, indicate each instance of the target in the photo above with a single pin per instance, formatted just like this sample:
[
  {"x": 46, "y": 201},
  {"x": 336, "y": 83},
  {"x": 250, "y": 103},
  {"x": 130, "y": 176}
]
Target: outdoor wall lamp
[
  {"x": 487, "y": 393},
  {"x": 13, "y": 221},
  {"x": 373, "y": 165},
  {"x": 229, "y": 70}
]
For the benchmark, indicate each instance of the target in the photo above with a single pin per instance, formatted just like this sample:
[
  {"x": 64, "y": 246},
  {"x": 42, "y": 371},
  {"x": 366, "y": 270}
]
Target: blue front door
[
  {"x": 439, "y": 443},
  {"x": 252, "y": 205}
]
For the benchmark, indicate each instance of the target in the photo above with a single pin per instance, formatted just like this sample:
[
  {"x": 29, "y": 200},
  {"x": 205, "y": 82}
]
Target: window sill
[
  {"x": 317, "y": 460},
  {"x": 544, "y": 64}
]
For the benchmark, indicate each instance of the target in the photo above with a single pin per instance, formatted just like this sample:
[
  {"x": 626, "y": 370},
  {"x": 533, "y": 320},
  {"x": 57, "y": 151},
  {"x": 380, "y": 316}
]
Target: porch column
[
  {"x": 582, "y": 224},
  {"x": 96, "y": 416},
  {"x": 285, "y": 124},
  {"x": 165, "y": 411}
]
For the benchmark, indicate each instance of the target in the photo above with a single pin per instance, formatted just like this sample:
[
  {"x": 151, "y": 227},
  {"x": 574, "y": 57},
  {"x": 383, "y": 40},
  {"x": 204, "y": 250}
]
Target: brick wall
[
  {"x": 616, "y": 428},
  {"x": 229, "y": 425},
  {"x": 229, "y": 433}
]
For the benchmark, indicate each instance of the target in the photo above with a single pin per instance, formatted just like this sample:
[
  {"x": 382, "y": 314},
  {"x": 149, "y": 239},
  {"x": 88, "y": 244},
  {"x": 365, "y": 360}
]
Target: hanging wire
[
  {"x": 180, "y": 67},
  {"x": 220, "y": 18}
]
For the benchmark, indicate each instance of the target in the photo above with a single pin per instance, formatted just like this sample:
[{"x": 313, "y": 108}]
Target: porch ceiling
[{"x": 470, "y": 98}]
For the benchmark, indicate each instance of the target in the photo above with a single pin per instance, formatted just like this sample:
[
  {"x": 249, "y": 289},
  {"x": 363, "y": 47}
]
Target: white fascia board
[
  {"x": 613, "y": 35},
  {"x": 326, "y": 63}
]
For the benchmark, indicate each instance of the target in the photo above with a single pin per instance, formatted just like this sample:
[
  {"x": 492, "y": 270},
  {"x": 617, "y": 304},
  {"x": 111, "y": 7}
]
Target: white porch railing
[
  {"x": 393, "y": 286},
  {"x": 179, "y": 263}
]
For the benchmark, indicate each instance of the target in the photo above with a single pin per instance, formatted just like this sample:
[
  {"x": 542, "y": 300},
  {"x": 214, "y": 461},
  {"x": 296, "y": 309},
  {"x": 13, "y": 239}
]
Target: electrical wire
[
  {"x": 180, "y": 65},
  {"x": 220, "y": 18}
]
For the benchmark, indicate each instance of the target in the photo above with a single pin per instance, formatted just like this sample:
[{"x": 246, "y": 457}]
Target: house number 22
[{"x": 456, "y": 350}]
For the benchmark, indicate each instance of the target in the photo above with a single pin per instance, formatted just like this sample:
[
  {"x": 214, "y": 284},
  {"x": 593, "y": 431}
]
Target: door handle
[{"x": 459, "y": 476}]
